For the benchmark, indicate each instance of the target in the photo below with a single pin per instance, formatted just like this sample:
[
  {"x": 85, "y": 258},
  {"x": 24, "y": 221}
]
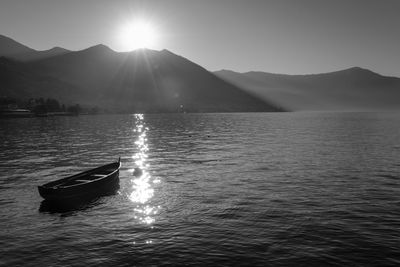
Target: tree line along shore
[{"x": 40, "y": 107}]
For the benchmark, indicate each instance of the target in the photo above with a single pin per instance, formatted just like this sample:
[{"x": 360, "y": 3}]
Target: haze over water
[{"x": 220, "y": 189}]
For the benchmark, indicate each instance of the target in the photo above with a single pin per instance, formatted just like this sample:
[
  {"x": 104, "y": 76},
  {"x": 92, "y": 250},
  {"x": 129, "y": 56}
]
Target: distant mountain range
[
  {"x": 139, "y": 81},
  {"x": 161, "y": 81},
  {"x": 350, "y": 89}
]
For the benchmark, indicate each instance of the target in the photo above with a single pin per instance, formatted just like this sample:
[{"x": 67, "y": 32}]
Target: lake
[{"x": 248, "y": 189}]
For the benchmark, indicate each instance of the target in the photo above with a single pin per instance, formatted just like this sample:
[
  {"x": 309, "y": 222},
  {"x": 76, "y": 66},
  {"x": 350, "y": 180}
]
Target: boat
[
  {"x": 15, "y": 113},
  {"x": 83, "y": 186}
]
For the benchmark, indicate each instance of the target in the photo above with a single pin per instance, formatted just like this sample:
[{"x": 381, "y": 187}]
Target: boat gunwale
[{"x": 75, "y": 176}]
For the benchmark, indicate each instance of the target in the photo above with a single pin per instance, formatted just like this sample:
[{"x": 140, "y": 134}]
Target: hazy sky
[{"x": 294, "y": 37}]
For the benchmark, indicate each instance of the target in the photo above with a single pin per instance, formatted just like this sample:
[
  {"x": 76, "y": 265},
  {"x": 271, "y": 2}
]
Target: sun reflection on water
[{"x": 142, "y": 182}]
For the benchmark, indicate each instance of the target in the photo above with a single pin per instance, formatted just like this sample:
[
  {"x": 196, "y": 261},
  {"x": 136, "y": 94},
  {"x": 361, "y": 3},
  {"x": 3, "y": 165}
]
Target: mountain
[
  {"x": 12, "y": 49},
  {"x": 37, "y": 55},
  {"x": 20, "y": 82},
  {"x": 140, "y": 81},
  {"x": 351, "y": 89},
  {"x": 147, "y": 81}
]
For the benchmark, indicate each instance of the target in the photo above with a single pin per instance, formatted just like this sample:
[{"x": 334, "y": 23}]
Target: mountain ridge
[
  {"x": 138, "y": 81},
  {"x": 17, "y": 51},
  {"x": 349, "y": 69},
  {"x": 151, "y": 80},
  {"x": 354, "y": 88}
]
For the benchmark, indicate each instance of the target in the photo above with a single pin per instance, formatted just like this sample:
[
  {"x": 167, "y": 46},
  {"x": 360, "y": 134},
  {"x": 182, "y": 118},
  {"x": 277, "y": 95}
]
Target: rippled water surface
[{"x": 257, "y": 189}]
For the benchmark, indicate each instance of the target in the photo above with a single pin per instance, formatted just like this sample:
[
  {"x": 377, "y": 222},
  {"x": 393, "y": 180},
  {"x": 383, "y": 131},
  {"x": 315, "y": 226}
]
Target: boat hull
[{"x": 59, "y": 191}]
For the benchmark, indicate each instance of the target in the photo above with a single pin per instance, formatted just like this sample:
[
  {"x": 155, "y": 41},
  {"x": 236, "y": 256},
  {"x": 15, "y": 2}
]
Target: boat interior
[{"x": 87, "y": 177}]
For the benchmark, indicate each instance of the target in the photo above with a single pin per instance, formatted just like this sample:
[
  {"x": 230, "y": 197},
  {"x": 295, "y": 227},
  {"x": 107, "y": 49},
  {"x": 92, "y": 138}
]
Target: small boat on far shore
[
  {"x": 85, "y": 185},
  {"x": 15, "y": 113}
]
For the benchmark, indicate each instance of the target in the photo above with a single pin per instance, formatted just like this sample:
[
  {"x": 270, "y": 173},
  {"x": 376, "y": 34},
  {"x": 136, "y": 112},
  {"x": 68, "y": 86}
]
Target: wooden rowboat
[{"x": 85, "y": 185}]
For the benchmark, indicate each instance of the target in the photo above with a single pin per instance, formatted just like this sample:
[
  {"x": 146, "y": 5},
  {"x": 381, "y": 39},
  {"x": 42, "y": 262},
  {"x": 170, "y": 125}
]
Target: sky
[{"x": 278, "y": 36}]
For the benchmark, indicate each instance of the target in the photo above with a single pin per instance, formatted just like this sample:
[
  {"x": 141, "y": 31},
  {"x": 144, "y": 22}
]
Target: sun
[{"x": 137, "y": 34}]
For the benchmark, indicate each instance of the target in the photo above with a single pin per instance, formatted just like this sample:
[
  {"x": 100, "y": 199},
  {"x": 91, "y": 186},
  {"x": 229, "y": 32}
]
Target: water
[{"x": 257, "y": 189}]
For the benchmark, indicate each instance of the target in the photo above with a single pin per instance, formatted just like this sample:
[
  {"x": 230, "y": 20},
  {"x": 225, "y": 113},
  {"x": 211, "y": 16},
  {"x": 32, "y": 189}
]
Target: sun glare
[{"x": 137, "y": 34}]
